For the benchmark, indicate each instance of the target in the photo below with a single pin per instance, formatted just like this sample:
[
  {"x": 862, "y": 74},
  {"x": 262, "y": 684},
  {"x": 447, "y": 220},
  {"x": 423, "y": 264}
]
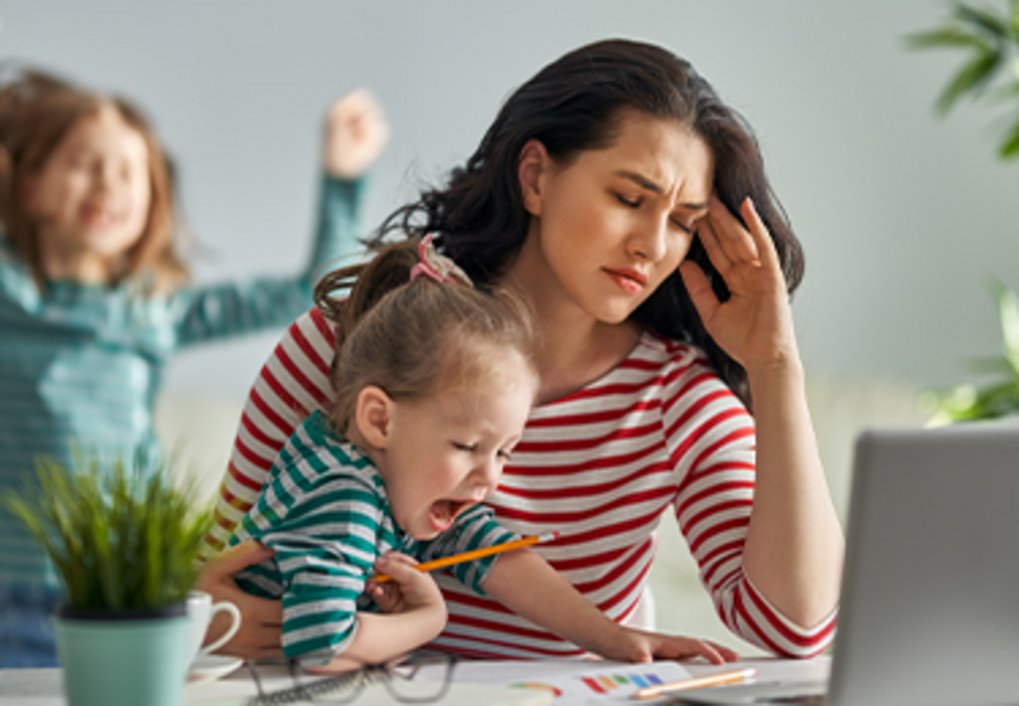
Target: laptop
[{"x": 929, "y": 613}]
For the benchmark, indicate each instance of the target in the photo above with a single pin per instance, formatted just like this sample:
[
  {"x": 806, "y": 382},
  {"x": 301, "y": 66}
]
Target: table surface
[{"x": 42, "y": 687}]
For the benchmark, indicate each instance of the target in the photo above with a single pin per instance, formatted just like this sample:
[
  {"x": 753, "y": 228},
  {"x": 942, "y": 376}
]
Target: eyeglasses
[{"x": 422, "y": 677}]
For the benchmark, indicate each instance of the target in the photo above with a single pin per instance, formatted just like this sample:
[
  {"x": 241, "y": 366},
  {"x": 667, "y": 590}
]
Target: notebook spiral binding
[{"x": 305, "y": 692}]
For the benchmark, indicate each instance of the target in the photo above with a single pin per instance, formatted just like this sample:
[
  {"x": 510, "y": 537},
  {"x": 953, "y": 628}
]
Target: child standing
[
  {"x": 433, "y": 384},
  {"x": 94, "y": 296}
]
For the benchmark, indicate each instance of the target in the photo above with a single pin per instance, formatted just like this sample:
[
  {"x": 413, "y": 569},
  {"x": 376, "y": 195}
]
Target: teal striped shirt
[
  {"x": 80, "y": 365},
  {"x": 325, "y": 513}
]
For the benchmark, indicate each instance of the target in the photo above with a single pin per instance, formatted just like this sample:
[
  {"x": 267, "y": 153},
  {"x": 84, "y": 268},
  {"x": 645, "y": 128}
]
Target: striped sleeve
[
  {"x": 712, "y": 443},
  {"x": 474, "y": 529},
  {"x": 292, "y": 383},
  {"x": 323, "y": 525},
  {"x": 203, "y": 313}
]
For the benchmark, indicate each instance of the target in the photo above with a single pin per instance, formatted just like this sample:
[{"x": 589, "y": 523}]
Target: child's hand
[
  {"x": 409, "y": 588},
  {"x": 640, "y": 646},
  {"x": 355, "y": 135}
]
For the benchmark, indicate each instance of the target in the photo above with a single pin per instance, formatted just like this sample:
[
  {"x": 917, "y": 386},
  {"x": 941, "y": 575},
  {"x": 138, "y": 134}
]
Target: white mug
[{"x": 201, "y": 610}]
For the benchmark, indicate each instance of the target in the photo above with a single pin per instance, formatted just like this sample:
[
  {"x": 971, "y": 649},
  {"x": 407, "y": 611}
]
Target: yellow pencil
[
  {"x": 476, "y": 554},
  {"x": 738, "y": 676}
]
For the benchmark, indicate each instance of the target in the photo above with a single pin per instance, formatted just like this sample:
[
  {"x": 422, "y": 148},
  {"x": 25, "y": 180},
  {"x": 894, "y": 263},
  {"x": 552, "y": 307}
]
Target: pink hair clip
[{"x": 435, "y": 266}]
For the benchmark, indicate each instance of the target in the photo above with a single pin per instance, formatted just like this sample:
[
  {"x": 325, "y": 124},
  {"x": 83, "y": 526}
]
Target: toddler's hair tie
[{"x": 435, "y": 266}]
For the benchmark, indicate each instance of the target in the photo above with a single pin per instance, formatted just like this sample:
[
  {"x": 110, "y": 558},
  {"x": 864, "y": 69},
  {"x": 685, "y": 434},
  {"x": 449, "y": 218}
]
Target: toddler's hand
[
  {"x": 356, "y": 132},
  {"x": 409, "y": 588}
]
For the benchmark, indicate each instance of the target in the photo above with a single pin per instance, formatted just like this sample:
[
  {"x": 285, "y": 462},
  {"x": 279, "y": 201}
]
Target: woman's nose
[{"x": 649, "y": 242}]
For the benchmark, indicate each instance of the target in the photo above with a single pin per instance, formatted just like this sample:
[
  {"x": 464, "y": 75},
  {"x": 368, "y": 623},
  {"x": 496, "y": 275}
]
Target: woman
[{"x": 629, "y": 205}]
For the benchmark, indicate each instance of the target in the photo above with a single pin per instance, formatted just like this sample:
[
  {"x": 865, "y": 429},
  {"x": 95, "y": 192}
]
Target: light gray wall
[{"x": 903, "y": 217}]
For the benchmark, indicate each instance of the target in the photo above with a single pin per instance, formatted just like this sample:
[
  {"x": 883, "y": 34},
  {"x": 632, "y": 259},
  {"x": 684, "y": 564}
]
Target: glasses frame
[{"x": 312, "y": 691}]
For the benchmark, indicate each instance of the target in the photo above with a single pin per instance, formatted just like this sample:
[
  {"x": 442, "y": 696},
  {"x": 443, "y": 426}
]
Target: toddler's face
[
  {"x": 91, "y": 198},
  {"x": 446, "y": 452}
]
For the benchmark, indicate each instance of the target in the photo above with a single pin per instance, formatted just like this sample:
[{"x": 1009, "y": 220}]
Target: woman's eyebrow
[{"x": 645, "y": 183}]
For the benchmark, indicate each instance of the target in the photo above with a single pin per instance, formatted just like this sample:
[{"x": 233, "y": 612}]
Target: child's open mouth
[{"x": 442, "y": 513}]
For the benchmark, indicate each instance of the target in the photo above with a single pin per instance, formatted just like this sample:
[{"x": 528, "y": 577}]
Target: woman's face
[{"x": 610, "y": 225}]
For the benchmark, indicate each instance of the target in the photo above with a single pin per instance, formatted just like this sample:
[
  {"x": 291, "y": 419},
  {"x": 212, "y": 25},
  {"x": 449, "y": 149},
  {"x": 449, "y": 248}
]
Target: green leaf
[
  {"x": 985, "y": 19},
  {"x": 1010, "y": 145},
  {"x": 971, "y": 78},
  {"x": 947, "y": 37}
]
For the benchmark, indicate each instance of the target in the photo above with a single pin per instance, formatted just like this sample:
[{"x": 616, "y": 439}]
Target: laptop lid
[{"x": 929, "y": 612}]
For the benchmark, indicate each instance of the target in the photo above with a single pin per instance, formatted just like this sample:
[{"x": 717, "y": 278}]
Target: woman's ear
[
  {"x": 531, "y": 169},
  {"x": 373, "y": 413}
]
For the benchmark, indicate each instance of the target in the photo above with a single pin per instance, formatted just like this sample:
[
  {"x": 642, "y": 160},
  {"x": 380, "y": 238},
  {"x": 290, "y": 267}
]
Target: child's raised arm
[{"x": 527, "y": 585}]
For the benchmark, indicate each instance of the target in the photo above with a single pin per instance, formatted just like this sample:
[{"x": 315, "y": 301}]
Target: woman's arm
[
  {"x": 794, "y": 546},
  {"x": 526, "y": 584}
]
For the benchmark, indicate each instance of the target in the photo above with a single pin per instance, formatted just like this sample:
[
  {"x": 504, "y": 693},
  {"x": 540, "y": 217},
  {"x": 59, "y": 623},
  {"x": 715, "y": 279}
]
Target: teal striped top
[
  {"x": 325, "y": 513},
  {"x": 80, "y": 365}
]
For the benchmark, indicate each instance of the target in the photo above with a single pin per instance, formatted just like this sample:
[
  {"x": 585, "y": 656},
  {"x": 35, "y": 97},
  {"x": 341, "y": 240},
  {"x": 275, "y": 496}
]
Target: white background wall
[{"x": 904, "y": 217}]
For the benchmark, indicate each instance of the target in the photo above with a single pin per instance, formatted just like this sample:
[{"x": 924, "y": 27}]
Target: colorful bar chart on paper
[{"x": 605, "y": 683}]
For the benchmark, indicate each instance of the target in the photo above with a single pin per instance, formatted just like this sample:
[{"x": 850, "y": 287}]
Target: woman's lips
[{"x": 630, "y": 281}]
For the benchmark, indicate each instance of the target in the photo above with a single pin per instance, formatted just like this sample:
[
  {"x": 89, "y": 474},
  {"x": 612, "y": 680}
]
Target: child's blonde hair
[
  {"x": 37, "y": 110},
  {"x": 415, "y": 337}
]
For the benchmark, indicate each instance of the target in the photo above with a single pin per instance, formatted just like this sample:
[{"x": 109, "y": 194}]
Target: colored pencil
[
  {"x": 738, "y": 676},
  {"x": 476, "y": 554}
]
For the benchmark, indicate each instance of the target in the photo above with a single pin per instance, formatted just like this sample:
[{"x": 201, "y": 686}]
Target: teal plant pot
[{"x": 122, "y": 659}]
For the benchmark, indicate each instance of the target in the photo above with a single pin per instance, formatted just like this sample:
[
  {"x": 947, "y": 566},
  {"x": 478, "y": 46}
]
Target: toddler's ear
[{"x": 372, "y": 415}]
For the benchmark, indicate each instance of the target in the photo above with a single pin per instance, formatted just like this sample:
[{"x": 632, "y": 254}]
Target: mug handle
[{"x": 235, "y": 625}]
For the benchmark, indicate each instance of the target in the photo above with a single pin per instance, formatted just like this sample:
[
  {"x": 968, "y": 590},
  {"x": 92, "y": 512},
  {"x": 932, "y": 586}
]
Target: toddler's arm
[
  {"x": 525, "y": 583},
  {"x": 414, "y": 613}
]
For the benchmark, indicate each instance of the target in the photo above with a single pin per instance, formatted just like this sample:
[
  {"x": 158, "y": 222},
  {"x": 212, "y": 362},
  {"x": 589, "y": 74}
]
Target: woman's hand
[
  {"x": 755, "y": 324},
  {"x": 356, "y": 133},
  {"x": 642, "y": 646},
  {"x": 261, "y": 618}
]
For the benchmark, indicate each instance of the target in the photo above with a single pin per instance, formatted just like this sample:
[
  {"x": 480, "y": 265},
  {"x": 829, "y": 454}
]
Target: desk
[{"x": 42, "y": 687}]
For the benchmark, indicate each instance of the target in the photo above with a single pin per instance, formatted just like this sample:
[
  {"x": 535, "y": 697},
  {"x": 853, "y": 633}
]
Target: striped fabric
[
  {"x": 325, "y": 513},
  {"x": 661, "y": 432},
  {"x": 80, "y": 365}
]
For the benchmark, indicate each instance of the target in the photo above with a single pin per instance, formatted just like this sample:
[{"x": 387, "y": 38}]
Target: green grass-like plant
[
  {"x": 121, "y": 538},
  {"x": 990, "y": 37}
]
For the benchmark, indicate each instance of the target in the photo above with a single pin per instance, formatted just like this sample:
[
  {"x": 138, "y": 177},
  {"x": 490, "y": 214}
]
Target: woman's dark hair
[{"x": 576, "y": 104}]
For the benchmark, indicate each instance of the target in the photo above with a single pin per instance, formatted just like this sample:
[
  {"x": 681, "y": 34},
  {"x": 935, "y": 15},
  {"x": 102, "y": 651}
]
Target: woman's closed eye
[
  {"x": 461, "y": 446},
  {"x": 679, "y": 223},
  {"x": 630, "y": 202}
]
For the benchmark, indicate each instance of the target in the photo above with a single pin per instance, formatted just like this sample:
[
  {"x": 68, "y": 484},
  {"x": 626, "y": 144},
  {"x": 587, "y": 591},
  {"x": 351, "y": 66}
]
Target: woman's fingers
[
  {"x": 733, "y": 238},
  {"x": 765, "y": 246}
]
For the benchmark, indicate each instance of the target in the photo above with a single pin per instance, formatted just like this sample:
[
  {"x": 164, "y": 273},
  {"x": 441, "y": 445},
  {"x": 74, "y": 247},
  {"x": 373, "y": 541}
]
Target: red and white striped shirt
[{"x": 599, "y": 466}]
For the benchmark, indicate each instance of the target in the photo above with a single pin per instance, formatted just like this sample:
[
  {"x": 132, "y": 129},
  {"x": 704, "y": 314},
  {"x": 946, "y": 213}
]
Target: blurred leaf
[
  {"x": 971, "y": 78},
  {"x": 985, "y": 19},
  {"x": 947, "y": 37},
  {"x": 1010, "y": 145}
]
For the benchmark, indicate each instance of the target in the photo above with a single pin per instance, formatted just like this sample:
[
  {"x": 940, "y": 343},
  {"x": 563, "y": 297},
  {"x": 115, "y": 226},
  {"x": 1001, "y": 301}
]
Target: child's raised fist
[{"x": 356, "y": 132}]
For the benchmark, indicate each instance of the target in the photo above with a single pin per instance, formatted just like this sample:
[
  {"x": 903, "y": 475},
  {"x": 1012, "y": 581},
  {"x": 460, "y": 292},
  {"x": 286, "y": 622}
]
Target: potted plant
[{"x": 124, "y": 543}]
